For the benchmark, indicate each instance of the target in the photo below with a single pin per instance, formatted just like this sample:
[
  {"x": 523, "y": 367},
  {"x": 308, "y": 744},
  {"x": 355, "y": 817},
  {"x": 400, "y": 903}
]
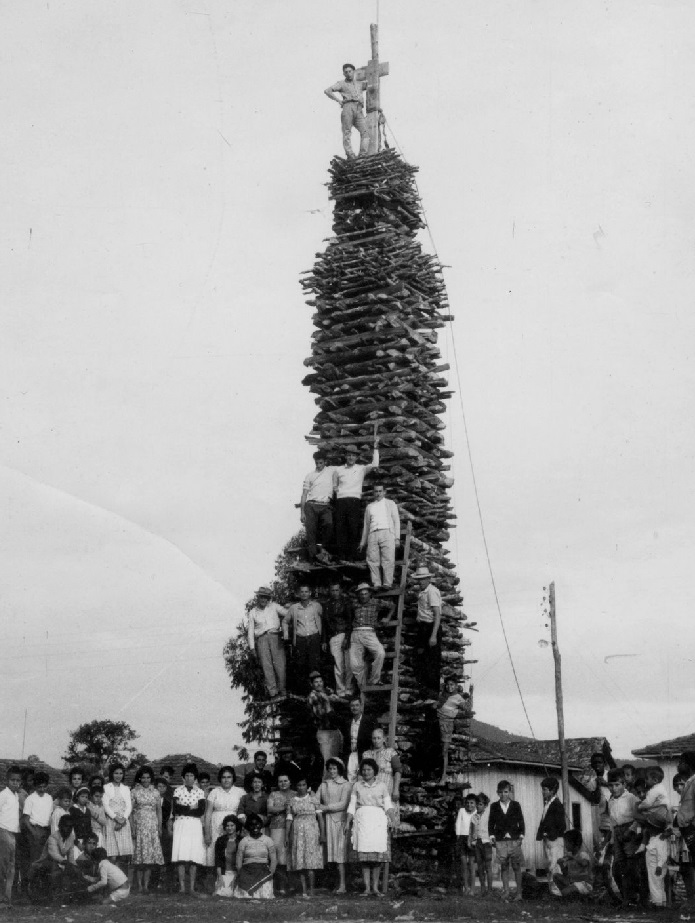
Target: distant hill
[{"x": 494, "y": 734}]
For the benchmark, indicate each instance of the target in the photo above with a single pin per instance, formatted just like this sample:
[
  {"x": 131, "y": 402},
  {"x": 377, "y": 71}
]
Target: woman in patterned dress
[
  {"x": 188, "y": 808},
  {"x": 222, "y": 801},
  {"x": 335, "y": 796},
  {"x": 147, "y": 826},
  {"x": 118, "y": 808},
  {"x": 367, "y": 818},
  {"x": 305, "y": 835}
]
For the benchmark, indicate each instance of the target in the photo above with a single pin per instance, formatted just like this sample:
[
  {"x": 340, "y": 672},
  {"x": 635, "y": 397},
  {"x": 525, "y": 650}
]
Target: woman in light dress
[
  {"x": 305, "y": 835},
  {"x": 368, "y": 815},
  {"x": 147, "y": 826},
  {"x": 118, "y": 807},
  {"x": 256, "y": 861},
  {"x": 335, "y": 797},
  {"x": 222, "y": 801},
  {"x": 188, "y": 808}
]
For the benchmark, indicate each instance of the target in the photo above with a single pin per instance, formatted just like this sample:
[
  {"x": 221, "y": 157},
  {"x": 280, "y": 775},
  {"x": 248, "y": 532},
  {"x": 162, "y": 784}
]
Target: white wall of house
[{"x": 526, "y": 782}]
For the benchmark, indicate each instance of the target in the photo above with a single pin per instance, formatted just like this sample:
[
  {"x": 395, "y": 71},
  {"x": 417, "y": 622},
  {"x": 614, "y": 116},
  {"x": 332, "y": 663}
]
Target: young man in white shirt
[
  {"x": 348, "y": 480},
  {"x": 9, "y": 828},
  {"x": 316, "y": 507},
  {"x": 265, "y": 636},
  {"x": 36, "y": 816},
  {"x": 381, "y": 535},
  {"x": 352, "y": 109}
]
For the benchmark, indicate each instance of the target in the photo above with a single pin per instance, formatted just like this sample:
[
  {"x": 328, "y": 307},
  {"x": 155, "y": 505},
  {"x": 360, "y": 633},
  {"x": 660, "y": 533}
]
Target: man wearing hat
[
  {"x": 316, "y": 508},
  {"x": 381, "y": 535},
  {"x": 265, "y": 636},
  {"x": 347, "y": 483},
  {"x": 363, "y": 636},
  {"x": 428, "y": 642}
]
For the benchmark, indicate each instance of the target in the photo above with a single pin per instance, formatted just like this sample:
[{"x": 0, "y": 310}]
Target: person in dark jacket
[
  {"x": 507, "y": 830},
  {"x": 550, "y": 831},
  {"x": 357, "y": 737}
]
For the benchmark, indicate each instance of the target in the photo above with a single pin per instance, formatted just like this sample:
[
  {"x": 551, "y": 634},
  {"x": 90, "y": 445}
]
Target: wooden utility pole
[
  {"x": 370, "y": 75},
  {"x": 559, "y": 705}
]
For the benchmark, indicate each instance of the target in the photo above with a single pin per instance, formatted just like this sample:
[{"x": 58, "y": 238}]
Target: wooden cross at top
[{"x": 370, "y": 75}]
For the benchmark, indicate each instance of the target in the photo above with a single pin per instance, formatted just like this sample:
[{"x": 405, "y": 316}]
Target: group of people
[
  {"x": 247, "y": 841},
  {"x": 346, "y": 628}
]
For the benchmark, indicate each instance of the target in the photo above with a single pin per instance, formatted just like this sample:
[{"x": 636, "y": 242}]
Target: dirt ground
[{"x": 326, "y": 907}]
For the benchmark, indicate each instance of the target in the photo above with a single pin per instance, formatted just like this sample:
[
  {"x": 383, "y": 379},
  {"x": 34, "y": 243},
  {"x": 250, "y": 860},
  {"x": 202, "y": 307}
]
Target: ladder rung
[{"x": 386, "y": 688}]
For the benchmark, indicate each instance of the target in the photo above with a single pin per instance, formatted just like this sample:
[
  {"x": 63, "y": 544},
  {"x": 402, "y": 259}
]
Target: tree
[{"x": 100, "y": 742}]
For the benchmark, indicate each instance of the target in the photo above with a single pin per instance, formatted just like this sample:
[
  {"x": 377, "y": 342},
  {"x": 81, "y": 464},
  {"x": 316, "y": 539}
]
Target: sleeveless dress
[
  {"x": 223, "y": 803},
  {"x": 305, "y": 849},
  {"x": 148, "y": 848},
  {"x": 332, "y": 793},
  {"x": 188, "y": 845}
]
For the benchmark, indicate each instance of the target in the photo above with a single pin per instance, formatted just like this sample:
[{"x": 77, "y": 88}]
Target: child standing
[
  {"x": 36, "y": 817},
  {"x": 507, "y": 829},
  {"x": 62, "y": 805},
  {"x": 622, "y": 811},
  {"x": 483, "y": 846},
  {"x": 653, "y": 812},
  {"x": 450, "y": 703},
  {"x": 465, "y": 849},
  {"x": 9, "y": 828},
  {"x": 97, "y": 813},
  {"x": 111, "y": 877},
  {"x": 81, "y": 818},
  {"x": 550, "y": 831}
]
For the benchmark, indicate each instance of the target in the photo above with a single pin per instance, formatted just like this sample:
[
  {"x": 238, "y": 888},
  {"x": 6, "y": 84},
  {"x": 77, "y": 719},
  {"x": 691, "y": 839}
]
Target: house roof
[
  {"x": 667, "y": 749},
  {"x": 56, "y": 777},
  {"x": 179, "y": 760},
  {"x": 545, "y": 753}
]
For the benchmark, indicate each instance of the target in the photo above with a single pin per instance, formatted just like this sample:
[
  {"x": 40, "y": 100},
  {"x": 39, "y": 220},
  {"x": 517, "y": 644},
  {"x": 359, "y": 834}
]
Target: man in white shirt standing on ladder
[
  {"x": 347, "y": 482},
  {"x": 381, "y": 535}
]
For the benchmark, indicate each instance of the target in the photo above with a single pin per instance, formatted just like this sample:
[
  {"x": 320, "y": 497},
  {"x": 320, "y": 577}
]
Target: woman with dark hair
[
  {"x": 367, "y": 817},
  {"x": 188, "y": 849},
  {"x": 277, "y": 812},
  {"x": 222, "y": 801},
  {"x": 305, "y": 835},
  {"x": 118, "y": 808},
  {"x": 255, "y": 804},
  {"x": 147, "y": 826},
  {"x": 256, "y": 861},
  {"x": 335, "y": 797},
  {"x": 225, "y": 856}
]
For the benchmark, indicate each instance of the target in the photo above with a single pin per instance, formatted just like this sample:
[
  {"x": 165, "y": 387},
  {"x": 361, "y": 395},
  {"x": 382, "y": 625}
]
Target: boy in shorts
[
  {"x": 465, "y": 849},
  {"x": 507, "y": 829}
]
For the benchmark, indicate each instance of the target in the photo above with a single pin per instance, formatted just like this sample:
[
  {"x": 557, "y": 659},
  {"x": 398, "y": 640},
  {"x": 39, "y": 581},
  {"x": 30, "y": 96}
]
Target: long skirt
[
  {"x": 226, "y": 886},
  {"x": 119, "y": 842},
  {"x": 370, "y": 834},
  {"x": 256, "y": 872},
  {"x": 188, "y": 845}
]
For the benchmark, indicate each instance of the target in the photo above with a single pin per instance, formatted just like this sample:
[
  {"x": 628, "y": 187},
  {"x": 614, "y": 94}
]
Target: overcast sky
[{"x": 162, "y": 189}]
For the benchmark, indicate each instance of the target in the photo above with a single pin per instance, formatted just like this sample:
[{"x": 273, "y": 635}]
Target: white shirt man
[
  {"x": 381, "y": 536},
  {"x": 347, "y": 482},
  {"x": 264, "y": 634}
]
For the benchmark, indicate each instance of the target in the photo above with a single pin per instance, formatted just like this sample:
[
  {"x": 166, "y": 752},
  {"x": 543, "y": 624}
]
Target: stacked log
[{"x": 379, "y": 301}]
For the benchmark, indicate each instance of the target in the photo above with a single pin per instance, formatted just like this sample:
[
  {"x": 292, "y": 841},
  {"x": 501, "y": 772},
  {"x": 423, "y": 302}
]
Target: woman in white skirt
[
  {"x": 367, "y": 817},
  {"x": 188, "y": 808}
]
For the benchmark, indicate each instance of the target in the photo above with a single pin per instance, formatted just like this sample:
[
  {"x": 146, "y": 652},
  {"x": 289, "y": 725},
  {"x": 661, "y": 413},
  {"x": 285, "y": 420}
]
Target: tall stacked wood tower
[{"x": 379, "y": 301}]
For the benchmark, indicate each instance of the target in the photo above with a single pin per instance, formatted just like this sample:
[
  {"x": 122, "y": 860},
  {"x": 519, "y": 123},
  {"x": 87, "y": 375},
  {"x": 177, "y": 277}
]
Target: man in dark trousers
[
  {"x": 507, "y": 830},
  {"x": 550, "y": 831},
  {"x": 357, "y": 737}
]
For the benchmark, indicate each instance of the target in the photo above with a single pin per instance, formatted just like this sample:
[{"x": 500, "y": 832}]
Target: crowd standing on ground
[{"x": 98, "y": 838}]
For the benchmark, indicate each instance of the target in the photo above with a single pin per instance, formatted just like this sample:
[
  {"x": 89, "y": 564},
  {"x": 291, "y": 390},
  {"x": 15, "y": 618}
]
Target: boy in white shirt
[
  {"x": 464, "y": 845},
  {"x": 653, "y": 811},
  {"x": 111, "y": 877},
  {"x": 483, "y": 846},
  {"x": 9, "y": 828},
  {"x": 36, "y": 816}
]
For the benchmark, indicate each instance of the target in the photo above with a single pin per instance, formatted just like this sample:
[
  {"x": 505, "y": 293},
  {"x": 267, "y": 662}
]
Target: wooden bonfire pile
[{"x": 379, "y": 301}]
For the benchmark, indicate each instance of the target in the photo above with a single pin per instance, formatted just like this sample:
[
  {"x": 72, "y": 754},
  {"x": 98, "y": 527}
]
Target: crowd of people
[{"x": 268, "y": 836}]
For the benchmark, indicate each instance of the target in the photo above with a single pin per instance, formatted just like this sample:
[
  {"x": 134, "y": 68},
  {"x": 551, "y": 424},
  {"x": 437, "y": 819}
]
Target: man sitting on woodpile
[
  {"x": 348, "y": 480},
  {"x": 381, "y": 535},
  {"x": 363, "y": 637}
]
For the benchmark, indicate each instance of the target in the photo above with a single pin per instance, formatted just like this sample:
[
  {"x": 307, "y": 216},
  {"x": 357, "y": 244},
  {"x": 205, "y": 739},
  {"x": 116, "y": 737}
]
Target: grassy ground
[{"x": 326, "y": 907}]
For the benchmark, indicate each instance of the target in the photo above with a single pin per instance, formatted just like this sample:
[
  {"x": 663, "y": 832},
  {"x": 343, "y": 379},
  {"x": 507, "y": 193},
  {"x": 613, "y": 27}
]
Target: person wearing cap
[
  {"x": 287, "y": 765},
  {"x": 265, "y": 636},
  {"x": 348, "y": 480},
  {"x": 364, "y": 639},
  {"x": 304, "y": 624},
  {"x": 381, "y": 535},
  {"x": 428, "y": 642},
  {"x": 319, "y": 700},
  {"x": 316, "y": 506}
]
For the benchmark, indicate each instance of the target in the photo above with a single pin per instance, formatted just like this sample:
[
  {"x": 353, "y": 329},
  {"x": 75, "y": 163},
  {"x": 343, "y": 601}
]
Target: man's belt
[{"x": 319, "y": 502}]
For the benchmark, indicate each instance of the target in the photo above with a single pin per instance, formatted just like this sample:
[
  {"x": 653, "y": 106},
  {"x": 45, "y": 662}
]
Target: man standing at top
[
  {"x": 316, "y": 509},
  {"x": 265, "y": 637},
  {"x": 352, "y": 109},
  {"x": 429, "y": 635},
  {"x": 381, "y": 534},
  {"x": 348, "y": 480}
]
